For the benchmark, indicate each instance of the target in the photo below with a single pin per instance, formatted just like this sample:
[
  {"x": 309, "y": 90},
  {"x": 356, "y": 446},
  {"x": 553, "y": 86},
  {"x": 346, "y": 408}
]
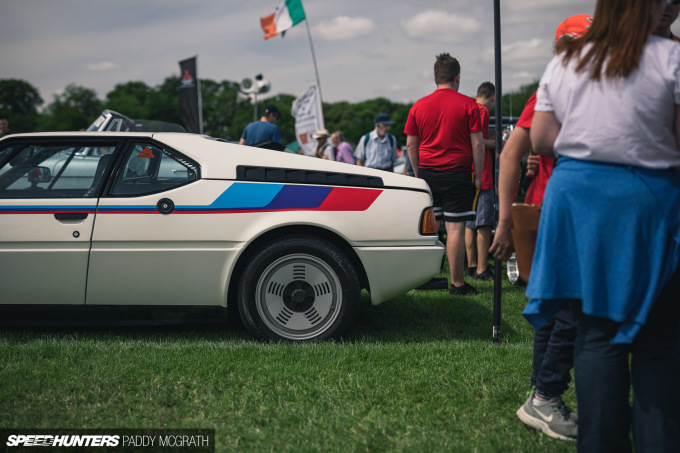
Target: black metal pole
[{"x": 498, "y": 264}]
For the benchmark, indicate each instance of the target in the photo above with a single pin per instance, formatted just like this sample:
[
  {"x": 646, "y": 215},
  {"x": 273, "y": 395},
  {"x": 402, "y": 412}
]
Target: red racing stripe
[{"x": 349, "y": 199}]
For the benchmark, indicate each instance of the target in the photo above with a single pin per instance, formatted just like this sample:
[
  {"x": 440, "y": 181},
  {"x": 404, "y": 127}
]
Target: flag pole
[
  {"x": 200, "y": 99},
  {"x": 316, "y": 70}
]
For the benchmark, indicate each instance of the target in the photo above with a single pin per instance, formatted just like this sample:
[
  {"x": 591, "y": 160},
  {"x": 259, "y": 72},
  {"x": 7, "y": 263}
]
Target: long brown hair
[{"x": 618, "y": 34}]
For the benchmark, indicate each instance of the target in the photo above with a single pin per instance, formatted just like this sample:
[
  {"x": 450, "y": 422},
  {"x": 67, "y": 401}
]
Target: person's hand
[
  {"x": 478, "y": 181},
  {"x": 532, "y": 165},
  {"x": 502, "y": 246}
]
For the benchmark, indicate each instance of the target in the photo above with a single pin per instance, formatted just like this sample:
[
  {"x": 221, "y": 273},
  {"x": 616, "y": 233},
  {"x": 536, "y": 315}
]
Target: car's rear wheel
[{"x": 298, "y": 289}]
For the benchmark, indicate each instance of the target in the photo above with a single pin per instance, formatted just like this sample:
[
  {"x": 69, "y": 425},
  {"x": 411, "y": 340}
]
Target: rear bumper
[{"x": 392, "y": 271}]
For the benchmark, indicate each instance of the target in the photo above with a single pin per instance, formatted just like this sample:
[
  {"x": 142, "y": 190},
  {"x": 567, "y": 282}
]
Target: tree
[
  {"x": 220, "y": 103},
  {"x": 225, "y": 112},
  {"x": 163, "y": 101},
  {"x": 131, "y": 99},
  {"x": 73, "y": 110},
  {"x": 517, "y": 99},
  {"x": 19, "y": 101}
]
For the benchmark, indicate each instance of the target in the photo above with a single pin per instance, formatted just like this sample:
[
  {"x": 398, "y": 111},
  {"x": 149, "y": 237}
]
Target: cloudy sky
[{"x": 364, "y": 48}]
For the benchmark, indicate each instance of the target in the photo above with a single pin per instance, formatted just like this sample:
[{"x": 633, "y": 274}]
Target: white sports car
[{"x": 117, "y": 219}]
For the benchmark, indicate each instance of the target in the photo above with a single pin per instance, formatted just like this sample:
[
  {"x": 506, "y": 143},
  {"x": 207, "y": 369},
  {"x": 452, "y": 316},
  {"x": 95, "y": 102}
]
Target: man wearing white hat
[{"x": 325, "y": 149}]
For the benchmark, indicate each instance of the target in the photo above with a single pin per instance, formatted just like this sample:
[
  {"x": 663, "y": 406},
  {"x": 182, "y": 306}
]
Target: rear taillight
[{"x": 428, "y": 224}]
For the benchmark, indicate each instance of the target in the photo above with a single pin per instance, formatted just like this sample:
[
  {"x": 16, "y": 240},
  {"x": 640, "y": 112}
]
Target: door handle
[{"x": 71, "y": 216}]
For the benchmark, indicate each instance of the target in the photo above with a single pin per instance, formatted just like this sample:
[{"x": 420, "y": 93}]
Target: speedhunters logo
[
  {"x": 99, "y": 440},
  {"x": 37, "y": 440}
]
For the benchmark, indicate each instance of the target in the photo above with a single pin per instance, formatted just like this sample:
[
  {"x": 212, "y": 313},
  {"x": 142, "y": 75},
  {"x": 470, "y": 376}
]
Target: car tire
[{"x": 298, "y": 289}]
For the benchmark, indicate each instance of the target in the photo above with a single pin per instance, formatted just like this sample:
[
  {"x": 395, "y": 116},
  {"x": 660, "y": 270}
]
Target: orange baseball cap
[{"x": 574, "y": 26}]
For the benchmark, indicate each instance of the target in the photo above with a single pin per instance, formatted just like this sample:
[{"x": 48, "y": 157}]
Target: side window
[
  {"x": 53, "y": 171},
  {"x": 150, "y": 169}
]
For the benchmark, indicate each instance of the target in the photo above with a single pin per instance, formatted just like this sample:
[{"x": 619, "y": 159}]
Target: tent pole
[{"x": 498, "y": 264}]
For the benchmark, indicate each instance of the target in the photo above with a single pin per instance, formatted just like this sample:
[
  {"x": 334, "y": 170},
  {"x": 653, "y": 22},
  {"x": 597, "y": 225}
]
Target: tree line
[{"x": 226, "y": 112}]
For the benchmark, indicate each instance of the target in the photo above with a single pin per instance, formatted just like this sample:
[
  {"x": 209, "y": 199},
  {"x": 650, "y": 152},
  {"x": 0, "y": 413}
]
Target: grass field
[{"x": 415, "y": 374}]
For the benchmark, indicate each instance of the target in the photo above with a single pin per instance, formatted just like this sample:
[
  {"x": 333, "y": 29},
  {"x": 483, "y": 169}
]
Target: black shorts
[{"x": 453, "y": 192}]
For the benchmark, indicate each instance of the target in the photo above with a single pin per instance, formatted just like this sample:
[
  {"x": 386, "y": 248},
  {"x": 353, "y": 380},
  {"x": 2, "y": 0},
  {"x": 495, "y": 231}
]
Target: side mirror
[{"x": 39, "y": 175}]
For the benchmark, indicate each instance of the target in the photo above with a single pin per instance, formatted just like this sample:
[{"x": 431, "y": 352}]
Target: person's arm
[
  {"x": 244, "y": 136},
  {"x": 544, "y": 131},
  {"x": 359, "y": 152},
  {"x": 412, "y": 149},
  {"x": 515, "y": 149},
  {"x": 478, "y": 151},
  {"x": 490, "y": 143},
  {"x": 393, "y": 153}
]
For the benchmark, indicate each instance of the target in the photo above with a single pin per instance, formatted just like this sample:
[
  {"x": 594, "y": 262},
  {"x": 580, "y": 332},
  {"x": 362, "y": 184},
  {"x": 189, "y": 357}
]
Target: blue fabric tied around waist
[{"x": 609, "y": 235}]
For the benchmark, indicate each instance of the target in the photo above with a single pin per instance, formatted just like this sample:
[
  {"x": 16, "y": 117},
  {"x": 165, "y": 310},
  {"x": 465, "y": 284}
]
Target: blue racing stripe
[
  {"x": 241, "y": 196},
  {"x": 247, "y": 195}
]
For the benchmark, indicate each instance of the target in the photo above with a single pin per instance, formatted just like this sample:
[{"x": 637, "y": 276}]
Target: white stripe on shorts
[{"x": 459, "y": 214}]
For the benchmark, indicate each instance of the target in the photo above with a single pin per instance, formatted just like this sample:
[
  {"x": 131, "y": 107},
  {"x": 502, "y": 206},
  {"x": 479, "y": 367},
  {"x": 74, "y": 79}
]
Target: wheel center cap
[{"x": 298, "y": 296}]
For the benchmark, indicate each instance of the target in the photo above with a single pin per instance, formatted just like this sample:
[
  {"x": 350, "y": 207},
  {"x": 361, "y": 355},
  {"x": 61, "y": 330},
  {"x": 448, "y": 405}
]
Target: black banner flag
[{"x": 190, "y": 97}]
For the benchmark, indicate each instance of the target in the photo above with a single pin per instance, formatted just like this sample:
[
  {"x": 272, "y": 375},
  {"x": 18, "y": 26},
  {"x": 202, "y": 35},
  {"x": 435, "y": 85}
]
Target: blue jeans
[
  {"x": 604, "y": 375},
  {"x": 554, "y": 353}
]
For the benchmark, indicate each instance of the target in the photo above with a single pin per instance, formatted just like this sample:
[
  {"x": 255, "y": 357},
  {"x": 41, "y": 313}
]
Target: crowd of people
[
  {"x": 377, "y": 149},
  {"x": 602, "y": 137}
]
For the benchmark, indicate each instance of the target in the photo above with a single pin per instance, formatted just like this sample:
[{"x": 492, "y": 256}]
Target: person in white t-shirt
[{"x": 608, "y": 106}]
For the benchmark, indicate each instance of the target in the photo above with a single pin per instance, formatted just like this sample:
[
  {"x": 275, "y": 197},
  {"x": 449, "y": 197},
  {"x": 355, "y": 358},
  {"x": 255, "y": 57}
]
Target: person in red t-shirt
[
  {"x": 444, "y": 137},
  {"x": 517, "y": 146},
  {"x": 478, "y": 231}
]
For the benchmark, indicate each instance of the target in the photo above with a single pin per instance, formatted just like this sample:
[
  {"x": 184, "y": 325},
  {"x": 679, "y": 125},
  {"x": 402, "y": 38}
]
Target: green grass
[{"x": 415, "y": 374}]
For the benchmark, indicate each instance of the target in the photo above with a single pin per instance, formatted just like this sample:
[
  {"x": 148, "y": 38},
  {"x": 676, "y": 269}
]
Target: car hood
[{"x": 218, "y": 160}]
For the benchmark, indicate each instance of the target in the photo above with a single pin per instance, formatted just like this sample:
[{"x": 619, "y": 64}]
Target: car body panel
[
  {"x": 188, "y": 256},
  {"x": 37, "y": 246},
  {"x": 392, "y": 272}
]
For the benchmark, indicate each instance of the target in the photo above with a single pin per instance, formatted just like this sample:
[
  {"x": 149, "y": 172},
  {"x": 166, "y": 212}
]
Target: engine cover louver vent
[{"x": 294, "y": 175}]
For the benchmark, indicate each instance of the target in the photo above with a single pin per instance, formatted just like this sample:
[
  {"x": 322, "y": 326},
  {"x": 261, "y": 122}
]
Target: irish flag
[{"x": 288, "y": 13}]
